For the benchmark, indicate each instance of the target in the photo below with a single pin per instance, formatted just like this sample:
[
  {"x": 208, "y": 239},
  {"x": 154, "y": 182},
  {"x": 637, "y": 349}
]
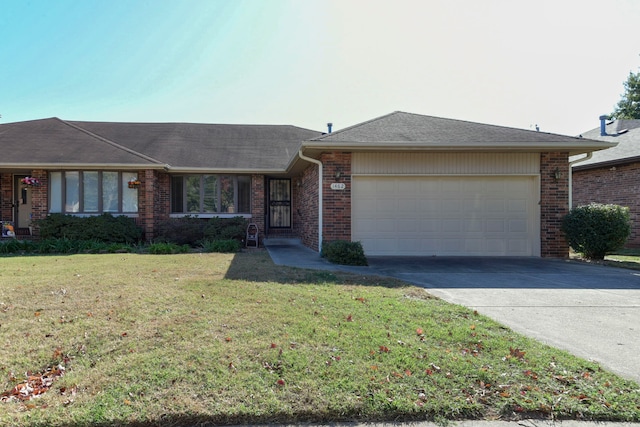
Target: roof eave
[
  {"x": 606, "y": 163},
  {"x": 233, "y": 171},
  {"x": 101, "y": 166},
  {"x": 313, "y": 147}
]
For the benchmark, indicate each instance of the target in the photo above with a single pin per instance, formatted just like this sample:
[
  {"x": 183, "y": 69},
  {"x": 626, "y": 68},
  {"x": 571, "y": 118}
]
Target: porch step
[{"x": 282, "y": 241}]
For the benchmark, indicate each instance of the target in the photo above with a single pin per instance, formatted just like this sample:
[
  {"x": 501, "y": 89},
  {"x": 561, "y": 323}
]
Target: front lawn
[{"x": 131, "y": 339}]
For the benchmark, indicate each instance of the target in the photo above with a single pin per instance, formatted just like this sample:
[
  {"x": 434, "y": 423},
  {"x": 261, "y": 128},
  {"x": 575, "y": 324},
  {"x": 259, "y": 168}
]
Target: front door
[
  {"x": 22, "y": 195},
  {"x": 280, "y": 203}
]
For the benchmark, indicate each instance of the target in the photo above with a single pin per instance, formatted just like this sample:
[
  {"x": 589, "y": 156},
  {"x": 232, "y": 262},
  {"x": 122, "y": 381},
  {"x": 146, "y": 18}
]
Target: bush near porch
[
  {"x": 105, "y": 228},
  {"x": 192, "y": 230}
]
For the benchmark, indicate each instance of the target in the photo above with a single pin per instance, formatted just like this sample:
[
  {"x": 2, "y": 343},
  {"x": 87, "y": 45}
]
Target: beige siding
[{"x": 446, "y": 164}]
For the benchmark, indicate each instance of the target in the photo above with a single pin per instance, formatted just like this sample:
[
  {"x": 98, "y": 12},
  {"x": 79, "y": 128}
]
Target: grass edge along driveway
[{"x": 128, "y": 339}]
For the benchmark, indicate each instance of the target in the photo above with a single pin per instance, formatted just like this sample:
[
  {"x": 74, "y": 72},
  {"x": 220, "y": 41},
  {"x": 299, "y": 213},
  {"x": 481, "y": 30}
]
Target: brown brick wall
[
  {"x": 336, "y": 203},
  {"x": 619, "y": 185},
  {"x": 554, "y": 204},
  {"x": 305, "y": 217},
  {"x": 6, "y": 188},
  {"x": 157, "y": 207},
  {"x": 258, "y": 202}
]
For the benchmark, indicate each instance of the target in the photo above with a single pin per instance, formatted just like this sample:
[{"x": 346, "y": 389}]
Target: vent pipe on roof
[
  {"x": 329, "y": 126},
  {"x": 603, "y": 125}
]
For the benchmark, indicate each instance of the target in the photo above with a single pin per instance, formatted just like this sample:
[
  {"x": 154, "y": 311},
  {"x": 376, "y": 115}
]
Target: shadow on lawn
[{"x": 257, "y": 266}]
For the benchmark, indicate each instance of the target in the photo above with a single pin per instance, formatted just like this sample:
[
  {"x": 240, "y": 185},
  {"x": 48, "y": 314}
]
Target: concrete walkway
[{"x": 589, "y": 310}]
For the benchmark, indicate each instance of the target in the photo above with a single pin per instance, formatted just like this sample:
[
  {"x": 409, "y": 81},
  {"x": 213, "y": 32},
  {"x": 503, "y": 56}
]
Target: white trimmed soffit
[
  {"x": 82, "y": 166},
  {"x": 233, "y": 171},
  {"x": 579, "y": 147}
]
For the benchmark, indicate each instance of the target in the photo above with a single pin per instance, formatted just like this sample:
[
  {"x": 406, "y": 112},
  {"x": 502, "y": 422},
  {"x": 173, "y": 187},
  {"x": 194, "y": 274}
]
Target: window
[
  {"x": 92, "y": 192},
  {"x": 210, "y": 194}
]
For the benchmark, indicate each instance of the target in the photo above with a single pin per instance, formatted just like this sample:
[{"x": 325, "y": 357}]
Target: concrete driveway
[{"x": 589, "y": 310}]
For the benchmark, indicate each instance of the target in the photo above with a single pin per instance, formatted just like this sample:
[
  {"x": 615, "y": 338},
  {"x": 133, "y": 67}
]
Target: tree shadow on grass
[{"x": 257, "y": 266}]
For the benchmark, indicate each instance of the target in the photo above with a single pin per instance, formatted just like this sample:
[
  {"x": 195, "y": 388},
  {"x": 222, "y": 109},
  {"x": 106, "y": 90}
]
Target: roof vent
[
  {"x": 603, "y": 129},
  {"x": 329, "y": 126}
]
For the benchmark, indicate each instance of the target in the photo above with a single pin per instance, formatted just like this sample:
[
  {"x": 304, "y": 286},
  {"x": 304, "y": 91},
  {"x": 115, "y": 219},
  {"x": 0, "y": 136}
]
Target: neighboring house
[
  {"x": 612, "y": 175},
  {"x": 402, "y": 184}
]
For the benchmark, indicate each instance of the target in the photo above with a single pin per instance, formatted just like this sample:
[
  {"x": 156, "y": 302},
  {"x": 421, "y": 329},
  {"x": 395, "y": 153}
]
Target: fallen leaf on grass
[
  {"x": 34, "y": 385},
  {"x": 517, "y": 353}
]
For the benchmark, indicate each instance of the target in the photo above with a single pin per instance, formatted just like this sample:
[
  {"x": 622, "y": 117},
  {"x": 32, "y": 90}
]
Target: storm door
[{"x": 280, "y": 203}]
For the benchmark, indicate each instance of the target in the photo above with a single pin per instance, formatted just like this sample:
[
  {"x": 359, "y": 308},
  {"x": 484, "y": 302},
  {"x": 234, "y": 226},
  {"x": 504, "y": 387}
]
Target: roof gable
[{"x": 407, "y": 130}]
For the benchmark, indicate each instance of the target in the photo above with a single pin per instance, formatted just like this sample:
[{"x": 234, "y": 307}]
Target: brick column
[
  {"x": 258, "y": 203},
  {"x": 554, "y": 203},
  {"x": 306, "y": 202},
  {"x": 154, "y": 203},
  {"x": 39, "y": 198},
  {"x": 336, "y": 204},
  {"x": 6, "y": 187}
]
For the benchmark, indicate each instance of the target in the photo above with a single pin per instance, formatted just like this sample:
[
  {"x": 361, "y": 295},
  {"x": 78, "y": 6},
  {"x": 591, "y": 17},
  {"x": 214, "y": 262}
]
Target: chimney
[
  {"x": 603, "y": 125},
  {"x": 329, "y": 126}
]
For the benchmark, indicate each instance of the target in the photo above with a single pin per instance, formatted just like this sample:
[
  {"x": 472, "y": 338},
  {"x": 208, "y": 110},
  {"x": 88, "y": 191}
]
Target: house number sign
[{"x": 338, "y": 186}]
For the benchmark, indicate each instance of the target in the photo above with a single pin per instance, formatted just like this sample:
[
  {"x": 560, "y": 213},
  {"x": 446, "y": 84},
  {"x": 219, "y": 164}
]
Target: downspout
[
  {"x": 587, "y": 157},
  {"x": 319, "y": 163}
]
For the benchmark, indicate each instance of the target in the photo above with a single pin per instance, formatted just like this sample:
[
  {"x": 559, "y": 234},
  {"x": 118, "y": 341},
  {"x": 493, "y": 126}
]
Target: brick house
[
  {"x": 612, "y": 175},
  {"x": 402, "y": 184}
]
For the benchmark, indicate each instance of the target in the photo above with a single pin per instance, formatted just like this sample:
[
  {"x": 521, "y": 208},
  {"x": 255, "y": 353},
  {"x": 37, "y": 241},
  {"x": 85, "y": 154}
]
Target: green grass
[{"x": 233, "y": 339}]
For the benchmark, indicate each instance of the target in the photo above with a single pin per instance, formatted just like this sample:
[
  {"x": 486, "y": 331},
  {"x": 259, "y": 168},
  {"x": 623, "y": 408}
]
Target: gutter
[
  {"x": 319, "y": 163},
  {"x": 587, "y": 157}
]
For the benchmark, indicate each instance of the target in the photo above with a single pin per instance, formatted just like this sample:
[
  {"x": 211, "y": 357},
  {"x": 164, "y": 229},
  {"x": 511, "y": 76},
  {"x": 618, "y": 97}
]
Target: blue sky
[{"x": 556, "y": 63}]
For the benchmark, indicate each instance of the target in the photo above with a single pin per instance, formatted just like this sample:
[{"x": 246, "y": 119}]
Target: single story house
[
  {"x": 402, "y": 184},
  {"x": 612, "y": 175}
]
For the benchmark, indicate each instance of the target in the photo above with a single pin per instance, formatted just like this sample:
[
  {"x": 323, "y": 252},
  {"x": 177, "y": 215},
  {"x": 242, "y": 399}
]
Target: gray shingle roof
[
  {"x": 627, "y": 150},
  {"x": 405, "y": 129},
  {"x": 180, "y": 146},
  {"x": 53, "y": 141}
]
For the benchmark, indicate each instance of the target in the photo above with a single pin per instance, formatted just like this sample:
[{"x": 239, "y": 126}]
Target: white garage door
[{"x": 447, "y": 216}]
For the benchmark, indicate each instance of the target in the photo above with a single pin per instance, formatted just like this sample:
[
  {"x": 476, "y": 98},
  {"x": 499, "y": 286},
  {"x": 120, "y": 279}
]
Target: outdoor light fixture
[
  {"x": 557, "y": 174},
  {"x": 338, "y": 174}
]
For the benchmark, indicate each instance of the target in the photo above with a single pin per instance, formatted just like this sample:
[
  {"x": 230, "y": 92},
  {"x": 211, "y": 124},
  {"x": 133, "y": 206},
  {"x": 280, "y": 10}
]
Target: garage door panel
[
  {"x": 446, "y": 215},
  {"x": 517, "y": 226},
  {"x": 495, "y": 225}
]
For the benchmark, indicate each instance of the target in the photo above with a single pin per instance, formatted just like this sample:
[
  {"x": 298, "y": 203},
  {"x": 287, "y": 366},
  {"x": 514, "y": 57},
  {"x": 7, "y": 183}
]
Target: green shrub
[
  {"x": 226, "y": 228},
  {"x": 58, "y": 246},
  {"x": 597, "y": 229},
  {"x": 344, "y": 252},
  {"x": 15, "y": 246},
  {"x": 186, "y": 230},
  {"x": 104, "y": 228},
  {"x": 224, "y": 246},
  {"x": 168, "y": 248}
]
